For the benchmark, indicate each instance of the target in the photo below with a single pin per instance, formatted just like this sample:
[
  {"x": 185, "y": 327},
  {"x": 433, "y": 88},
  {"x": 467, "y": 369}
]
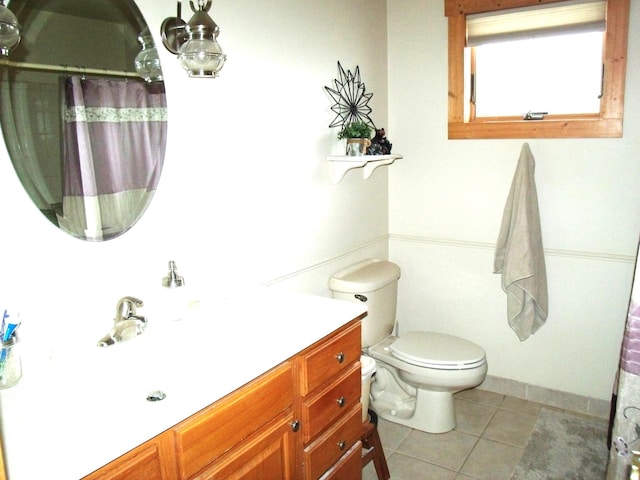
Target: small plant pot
[{"x": 357, "y": 146}]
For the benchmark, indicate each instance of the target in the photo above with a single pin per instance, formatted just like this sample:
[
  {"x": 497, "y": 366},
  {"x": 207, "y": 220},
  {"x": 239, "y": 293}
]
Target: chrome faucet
[{"x": 127, "y": 324}]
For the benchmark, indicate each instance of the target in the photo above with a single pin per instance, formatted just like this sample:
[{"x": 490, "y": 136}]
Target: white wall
[
  {"x": 245, "y": 197},
  {"x": 446, "y": 203}
]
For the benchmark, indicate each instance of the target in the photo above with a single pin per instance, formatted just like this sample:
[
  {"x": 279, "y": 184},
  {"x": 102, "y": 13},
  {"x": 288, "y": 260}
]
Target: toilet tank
[{"x": 374, "y": 282}]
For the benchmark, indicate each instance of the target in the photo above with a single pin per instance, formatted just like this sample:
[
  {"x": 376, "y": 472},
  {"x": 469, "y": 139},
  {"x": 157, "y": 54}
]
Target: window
[
  {"x": 486, "y": 31},
  {"x": 557, "y": 75}
]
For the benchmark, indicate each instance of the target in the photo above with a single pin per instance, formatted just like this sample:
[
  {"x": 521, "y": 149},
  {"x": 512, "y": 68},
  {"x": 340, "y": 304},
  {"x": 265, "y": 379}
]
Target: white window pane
[{"x": 558, "y": 75}]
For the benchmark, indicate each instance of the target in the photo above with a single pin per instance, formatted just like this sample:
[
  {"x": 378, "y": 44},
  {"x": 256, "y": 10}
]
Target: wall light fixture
[
  {"x": 194, "y": 42},
  {"x": 9, "y": 30},
  {"x": 147, "y": 62}
]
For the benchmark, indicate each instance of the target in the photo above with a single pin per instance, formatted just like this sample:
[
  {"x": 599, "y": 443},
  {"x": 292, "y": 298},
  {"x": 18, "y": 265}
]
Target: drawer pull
[
  {"x": 340, "y": 357},
  {"x": 341, "y": 401},
  {"x": 342, "y": 444},
  {"x": 295, "y": 425}
]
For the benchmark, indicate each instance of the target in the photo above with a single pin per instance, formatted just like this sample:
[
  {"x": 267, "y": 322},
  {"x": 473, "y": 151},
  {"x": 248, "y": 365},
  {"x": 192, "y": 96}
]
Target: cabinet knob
[
  {"x": 342, "y": 444},
  {"x": 340, "y": 357},
  {"x": 295, "y": 425},
  {"x": 341, "y": 401}
]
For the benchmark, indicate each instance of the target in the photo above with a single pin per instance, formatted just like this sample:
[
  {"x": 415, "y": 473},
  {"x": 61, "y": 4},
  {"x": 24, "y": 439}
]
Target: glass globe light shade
[
  {"x": 201, "y": 55},
  {"x": 147, "y": 62},
  {"x": 201, "y": 58},
  {"x": 9, "y": 30}
]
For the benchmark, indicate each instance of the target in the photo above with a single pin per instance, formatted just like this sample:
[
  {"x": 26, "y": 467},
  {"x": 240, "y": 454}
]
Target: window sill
[{"x": 548, "y": 128}]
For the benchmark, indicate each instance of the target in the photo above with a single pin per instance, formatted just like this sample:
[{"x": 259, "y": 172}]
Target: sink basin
[{"x": 92, "y": 404}]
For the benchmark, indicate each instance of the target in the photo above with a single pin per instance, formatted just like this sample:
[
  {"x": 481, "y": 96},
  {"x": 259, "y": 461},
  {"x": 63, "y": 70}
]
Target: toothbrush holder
[{"x": 10, "y": 362}]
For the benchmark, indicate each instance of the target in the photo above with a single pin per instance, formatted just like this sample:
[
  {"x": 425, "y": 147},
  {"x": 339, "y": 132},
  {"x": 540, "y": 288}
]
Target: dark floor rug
[{"x": 564, "y": 447}]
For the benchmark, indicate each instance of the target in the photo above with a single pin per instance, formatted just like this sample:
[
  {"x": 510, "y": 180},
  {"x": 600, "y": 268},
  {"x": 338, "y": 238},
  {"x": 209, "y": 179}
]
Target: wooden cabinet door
[
  {"x": 3, "y": 475},
  {"x": 153, "y": 460},
  {"x": 268, "y": 454},
  {"x": 207, "y": 435}
]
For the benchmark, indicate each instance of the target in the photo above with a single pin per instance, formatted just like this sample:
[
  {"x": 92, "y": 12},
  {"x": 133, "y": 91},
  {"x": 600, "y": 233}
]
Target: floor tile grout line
[
  {"x": 491, "y": 409},
  {"x": 469, "y": 454},
  {"x": 422, "y": 460},
  {"x": 493, "y": 415},
  {"x": 480, "y": 422},
  {"x": 478, "y": 437},
  {"x": 496, "y": 409}
]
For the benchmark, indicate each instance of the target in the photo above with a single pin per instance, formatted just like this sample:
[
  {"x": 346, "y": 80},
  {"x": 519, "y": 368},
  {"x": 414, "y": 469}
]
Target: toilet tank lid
[{"x": 366, "y": 276}]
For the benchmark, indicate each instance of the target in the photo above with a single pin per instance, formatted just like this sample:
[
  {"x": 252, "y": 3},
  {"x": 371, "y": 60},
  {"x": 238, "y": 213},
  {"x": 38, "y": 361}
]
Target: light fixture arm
[{"x": 173, "y": 31}]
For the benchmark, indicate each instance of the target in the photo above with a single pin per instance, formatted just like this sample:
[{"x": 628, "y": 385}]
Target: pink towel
[{"x": 519, "y": 254}]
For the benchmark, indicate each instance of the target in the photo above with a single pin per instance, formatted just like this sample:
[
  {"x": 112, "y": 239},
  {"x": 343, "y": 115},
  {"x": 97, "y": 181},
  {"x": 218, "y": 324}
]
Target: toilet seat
[{"x": 438, "y": 351}]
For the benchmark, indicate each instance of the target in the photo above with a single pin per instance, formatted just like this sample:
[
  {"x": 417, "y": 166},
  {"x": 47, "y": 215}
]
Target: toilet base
[{"x": 432, "y": 412}]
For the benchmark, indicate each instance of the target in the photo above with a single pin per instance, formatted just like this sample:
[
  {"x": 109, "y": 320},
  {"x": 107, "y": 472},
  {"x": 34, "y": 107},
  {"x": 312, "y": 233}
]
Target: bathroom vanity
[
  {"x": 301, "y": 419},
  {"x": 277, "y": 396}
]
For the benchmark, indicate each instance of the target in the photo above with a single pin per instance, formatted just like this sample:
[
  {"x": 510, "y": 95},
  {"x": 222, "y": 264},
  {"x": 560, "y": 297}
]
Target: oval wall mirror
[{"x": 85, "y": 131}]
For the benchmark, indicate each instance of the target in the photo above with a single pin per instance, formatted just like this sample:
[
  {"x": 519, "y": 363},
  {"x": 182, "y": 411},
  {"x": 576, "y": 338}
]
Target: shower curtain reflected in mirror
[{"x": 114, "y": 140}]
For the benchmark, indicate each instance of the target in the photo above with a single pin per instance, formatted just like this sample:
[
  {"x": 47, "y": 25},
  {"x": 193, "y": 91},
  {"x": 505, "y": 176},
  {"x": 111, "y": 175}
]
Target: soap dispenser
[
  {"x": 172, "y": 280},
  {"x": 176, "y": 305}
]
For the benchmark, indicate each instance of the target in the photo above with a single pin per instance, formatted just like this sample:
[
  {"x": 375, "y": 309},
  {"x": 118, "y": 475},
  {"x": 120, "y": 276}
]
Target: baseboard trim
[{"x": 594, "y": 407}]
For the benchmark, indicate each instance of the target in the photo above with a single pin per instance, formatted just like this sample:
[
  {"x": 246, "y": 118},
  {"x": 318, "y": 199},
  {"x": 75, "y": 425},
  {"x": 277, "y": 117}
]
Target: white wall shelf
[{"x": 341, "y": 164}]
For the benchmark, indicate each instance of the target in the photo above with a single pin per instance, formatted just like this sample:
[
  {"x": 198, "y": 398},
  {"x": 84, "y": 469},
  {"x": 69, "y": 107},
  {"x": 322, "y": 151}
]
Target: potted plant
[{"x": 358, "y": 136}]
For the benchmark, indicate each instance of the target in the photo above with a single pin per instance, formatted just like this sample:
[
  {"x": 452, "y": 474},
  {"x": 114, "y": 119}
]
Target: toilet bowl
[
  {"x": 430, "y": 380},
  {"x": 417, "y": 373}
]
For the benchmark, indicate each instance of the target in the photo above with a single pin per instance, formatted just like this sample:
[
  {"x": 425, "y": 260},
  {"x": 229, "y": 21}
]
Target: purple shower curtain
[
  {"x": 625, "y": 427},
  {"x": 115, "y": 133}
]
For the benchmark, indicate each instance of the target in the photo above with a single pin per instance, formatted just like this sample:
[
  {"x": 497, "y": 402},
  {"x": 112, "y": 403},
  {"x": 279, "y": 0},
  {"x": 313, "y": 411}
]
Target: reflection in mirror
[{"x": 86, "y": 135}]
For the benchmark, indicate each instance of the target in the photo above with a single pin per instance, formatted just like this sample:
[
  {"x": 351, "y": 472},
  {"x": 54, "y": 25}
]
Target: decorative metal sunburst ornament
[{"x": 351, "y": 101}]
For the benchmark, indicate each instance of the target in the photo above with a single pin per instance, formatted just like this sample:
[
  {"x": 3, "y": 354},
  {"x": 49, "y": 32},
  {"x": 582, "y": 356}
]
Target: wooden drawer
[
  {"x": 209, "y": 433},
  {"x": 324, "y": 407},
  {"x": 329, "y": 447},
  {"x": 327, "y": 361},
  {"x": 349, "y": 467}
]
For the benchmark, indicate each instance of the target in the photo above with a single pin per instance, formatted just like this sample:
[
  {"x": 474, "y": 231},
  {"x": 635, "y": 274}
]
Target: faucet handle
[
  {"x": 127, "y": 308},
  {"x": 127, "y": 323}
]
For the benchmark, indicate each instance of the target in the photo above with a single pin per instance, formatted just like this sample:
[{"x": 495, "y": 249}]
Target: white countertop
[{"x": 89, "y": 407}]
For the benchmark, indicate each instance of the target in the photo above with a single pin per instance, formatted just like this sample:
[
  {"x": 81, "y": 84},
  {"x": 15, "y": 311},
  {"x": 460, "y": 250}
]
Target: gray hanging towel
[{"x": 519, "y": 253}]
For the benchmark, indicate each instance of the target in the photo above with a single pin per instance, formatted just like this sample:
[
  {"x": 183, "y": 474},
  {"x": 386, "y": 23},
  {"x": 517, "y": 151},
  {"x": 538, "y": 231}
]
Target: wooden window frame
[{"x": 606, "y": 124}]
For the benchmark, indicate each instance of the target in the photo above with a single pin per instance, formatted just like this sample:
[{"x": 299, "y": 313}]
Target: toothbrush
[
  {"x": 11, "y": 330},
  {"x": 6, "y": 335},
  {"x": 4, "y": 318}
]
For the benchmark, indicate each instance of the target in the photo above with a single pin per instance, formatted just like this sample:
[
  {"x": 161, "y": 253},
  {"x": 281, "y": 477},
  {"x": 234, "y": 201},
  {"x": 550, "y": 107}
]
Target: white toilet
[{"x": 418, "y": 372}]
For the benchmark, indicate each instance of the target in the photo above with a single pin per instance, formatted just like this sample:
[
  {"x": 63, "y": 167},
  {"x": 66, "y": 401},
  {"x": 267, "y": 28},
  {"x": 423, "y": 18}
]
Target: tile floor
[{"x": 487, "y": 443}]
